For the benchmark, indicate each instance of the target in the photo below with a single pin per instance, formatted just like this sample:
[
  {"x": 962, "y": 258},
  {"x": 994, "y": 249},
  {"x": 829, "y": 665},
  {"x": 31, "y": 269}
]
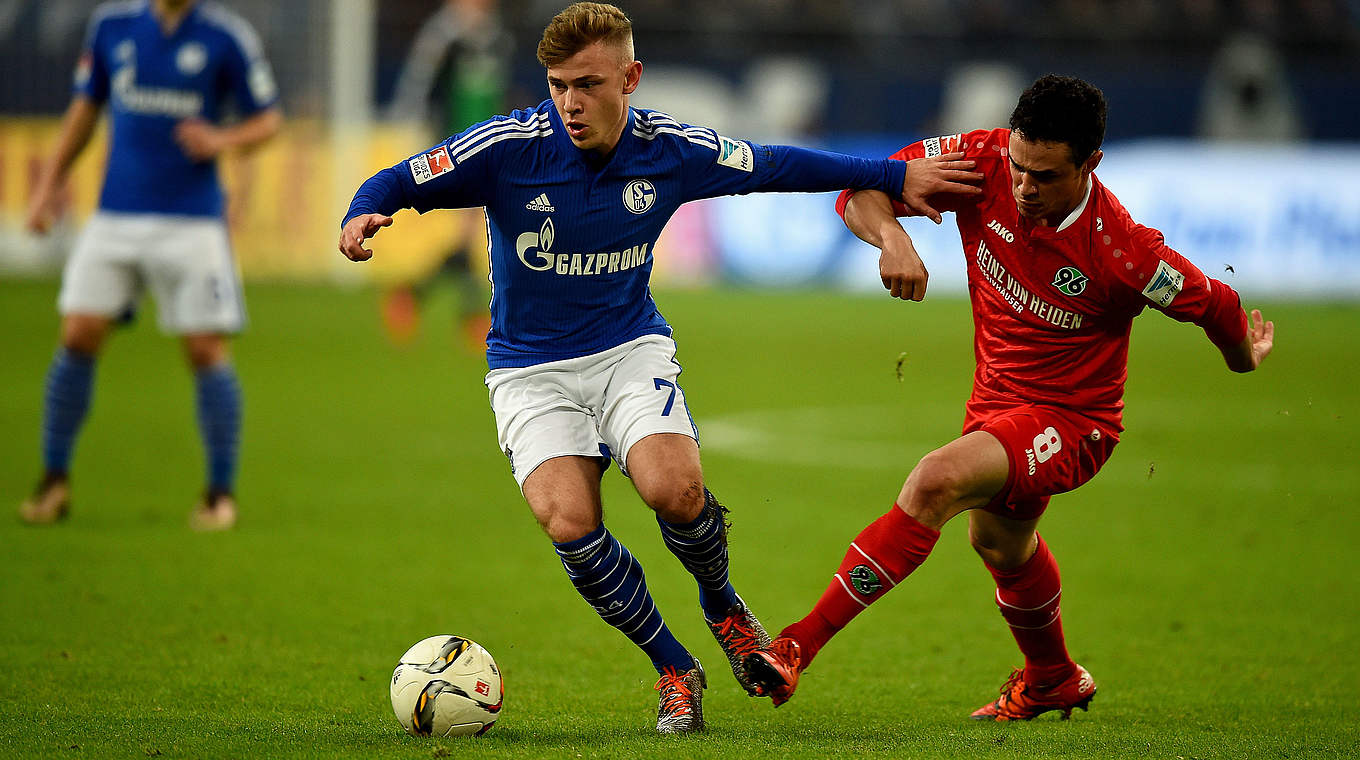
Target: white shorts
[
  {"x": 186, "y": 261},
  {"x": 592, "y": 406}
]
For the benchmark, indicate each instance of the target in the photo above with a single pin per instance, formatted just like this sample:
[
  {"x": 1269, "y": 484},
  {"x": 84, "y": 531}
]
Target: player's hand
[
  {"x": 42, "y": 211},
  {"x": 947, "y": 173},
  {"x": 903, "y": 273},
  {"x": 359, "y": 229},
  {"x": 1261, "y": 336},
  {"x": 200, "y": 140}
]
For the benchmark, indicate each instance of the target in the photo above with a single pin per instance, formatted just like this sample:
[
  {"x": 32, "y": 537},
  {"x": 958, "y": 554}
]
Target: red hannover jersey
[{"x": 1052, "y": 307}]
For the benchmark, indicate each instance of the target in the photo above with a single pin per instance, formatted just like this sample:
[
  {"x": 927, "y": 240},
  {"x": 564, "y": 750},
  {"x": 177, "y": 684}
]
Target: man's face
[
  {"x": 1046, "y": 183},
  {"x": 590, "y": 90}
]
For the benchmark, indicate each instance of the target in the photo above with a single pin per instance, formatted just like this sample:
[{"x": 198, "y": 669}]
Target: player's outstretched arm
[
  {"x": 359, "y": 229},
  {"x": 1248, "y": 355},
  {"x": 76, "y": 128},
  {"x": 870, "y": 215},
  {"x": 944, "y": 174}
]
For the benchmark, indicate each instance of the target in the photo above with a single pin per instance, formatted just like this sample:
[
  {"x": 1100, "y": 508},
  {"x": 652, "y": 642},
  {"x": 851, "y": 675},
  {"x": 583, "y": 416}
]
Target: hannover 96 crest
[{"x": 865, "y": 580}]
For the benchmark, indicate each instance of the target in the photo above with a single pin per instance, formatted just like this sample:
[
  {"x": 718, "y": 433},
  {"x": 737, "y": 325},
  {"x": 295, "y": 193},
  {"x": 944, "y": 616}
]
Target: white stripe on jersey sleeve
[
  {"x": 538, "y": 126},
  {"x": 657, "y": 123},
  {"x": 515, "y": 135},
  {"x": 109, "y": 10},
  {"x": 237, "y": 28}
]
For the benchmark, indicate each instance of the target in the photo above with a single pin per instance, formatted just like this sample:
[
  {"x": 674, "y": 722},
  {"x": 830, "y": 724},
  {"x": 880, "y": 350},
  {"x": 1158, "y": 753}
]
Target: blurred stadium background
[
  {"x": 1208, "y": 570},
  {"x": 1233, "y": 128}
]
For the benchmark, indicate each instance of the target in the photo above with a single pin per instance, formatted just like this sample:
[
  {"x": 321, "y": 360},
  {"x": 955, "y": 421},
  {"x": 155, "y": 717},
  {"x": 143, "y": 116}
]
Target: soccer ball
[{"x": 447, "y": 686}]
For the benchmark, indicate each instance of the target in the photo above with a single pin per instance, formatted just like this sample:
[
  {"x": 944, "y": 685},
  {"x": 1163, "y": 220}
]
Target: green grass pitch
[{"x": 1210, "y": 571}]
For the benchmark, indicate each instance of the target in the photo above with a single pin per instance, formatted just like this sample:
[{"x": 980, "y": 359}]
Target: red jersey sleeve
[
  {"x": 1160, "y": 277},
  {"x": 973, "y": 144}
]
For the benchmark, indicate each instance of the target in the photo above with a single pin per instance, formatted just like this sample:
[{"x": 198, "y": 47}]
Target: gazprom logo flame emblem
[{"x": 538, "y": 242}]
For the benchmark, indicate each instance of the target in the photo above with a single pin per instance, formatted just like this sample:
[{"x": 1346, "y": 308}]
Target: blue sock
[
  {"x": 701, "y": 546},
  {"x": 219, "y": 421},
  {"x": 66, "y": 399},
  {"x": 611, "y": 580}
]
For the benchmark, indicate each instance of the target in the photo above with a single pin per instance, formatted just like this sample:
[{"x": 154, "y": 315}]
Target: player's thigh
[
  {"x": 1050, "y": 451},
  {"x": 564, "y": 495},
  {"x": 642, "y": 397},
  {"x": 193, "y": 275},
  {"x": 540, "y": 416},
  {"x": 101, "y": 277}
]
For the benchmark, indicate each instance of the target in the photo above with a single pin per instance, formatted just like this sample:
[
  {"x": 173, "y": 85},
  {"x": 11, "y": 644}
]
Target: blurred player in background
[
  {"x": 167, "y": 69},
  {"x": 582, "y": 364},
  {"x": 460, "y": 65},
  {"x": 1057, "y": 270}
]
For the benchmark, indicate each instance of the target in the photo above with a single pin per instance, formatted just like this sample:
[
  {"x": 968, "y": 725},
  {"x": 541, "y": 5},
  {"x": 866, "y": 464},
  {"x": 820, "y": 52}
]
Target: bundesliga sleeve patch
[
  {"x": 427, "y": 166},
  {"x": 1164, "y": 285},
  {"x": 735, "y": 154},
  {"x": 936, "y": 146}
]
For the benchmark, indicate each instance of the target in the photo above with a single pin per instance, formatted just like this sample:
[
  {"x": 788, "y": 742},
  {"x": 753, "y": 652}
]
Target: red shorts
[{"x": 1051, "y": 450}]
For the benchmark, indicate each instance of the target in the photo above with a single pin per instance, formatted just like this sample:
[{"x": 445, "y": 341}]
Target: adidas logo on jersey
[{"x": 541, "y": 203}]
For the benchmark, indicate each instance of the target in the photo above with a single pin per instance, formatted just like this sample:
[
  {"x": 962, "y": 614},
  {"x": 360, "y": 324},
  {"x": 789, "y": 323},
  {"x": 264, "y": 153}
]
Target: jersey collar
[
  {"x": 1076, "y": 212},
  {"x": 589, "y": 161}
]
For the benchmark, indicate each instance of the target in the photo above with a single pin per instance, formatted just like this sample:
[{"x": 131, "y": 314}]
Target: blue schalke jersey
[
  {"x": 572, "y": 234},
  {"x": 152, "y": 81}
]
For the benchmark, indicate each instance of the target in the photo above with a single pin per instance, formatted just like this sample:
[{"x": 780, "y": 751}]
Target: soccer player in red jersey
[{"x": 1057, "y": 270}]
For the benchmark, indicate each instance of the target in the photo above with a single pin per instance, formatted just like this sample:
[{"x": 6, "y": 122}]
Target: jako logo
[{"x": 1005, "y": 234}]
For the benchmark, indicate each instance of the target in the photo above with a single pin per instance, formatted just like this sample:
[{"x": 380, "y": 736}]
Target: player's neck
[
  {"x": 171, "y": 12},
  {"x": 1057, "y": 221}
]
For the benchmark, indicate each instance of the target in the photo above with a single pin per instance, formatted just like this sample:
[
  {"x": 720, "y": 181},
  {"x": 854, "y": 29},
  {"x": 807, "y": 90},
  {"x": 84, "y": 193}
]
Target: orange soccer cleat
[
  {"x": 774, "y": 670},
  {"x": 1023, "y": 701}
]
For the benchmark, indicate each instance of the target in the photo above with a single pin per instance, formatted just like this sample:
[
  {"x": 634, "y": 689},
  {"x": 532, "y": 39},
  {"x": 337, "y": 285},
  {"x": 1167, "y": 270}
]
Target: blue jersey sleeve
[
  {"x": 734, "y": 167},
  {"x": 457, "y": 173},
  {"x": 246, "y": 72},
  {"x": 92, "y": 71}
]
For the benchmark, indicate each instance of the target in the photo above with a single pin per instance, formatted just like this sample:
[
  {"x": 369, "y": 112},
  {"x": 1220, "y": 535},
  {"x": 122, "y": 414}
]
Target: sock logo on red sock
[{"x": 865, "y": 580}]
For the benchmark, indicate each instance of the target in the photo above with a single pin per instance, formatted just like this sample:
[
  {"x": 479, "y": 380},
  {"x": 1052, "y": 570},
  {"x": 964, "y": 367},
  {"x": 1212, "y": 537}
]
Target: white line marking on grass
[{"x": 834, "y": 437}]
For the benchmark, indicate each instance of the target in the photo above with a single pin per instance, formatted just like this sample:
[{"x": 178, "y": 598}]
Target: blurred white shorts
[
  {"x": 592, "y": 406},
  {"x": 185, "y": 261}
]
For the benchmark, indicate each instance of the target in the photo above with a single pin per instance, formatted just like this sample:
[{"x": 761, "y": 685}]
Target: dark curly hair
[{"x": 1062, "y": 110}]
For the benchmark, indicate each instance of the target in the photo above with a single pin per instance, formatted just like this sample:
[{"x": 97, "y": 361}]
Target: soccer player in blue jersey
[
  {"x": 167, "y": 70},
  {"x": 582, "y": 364}
]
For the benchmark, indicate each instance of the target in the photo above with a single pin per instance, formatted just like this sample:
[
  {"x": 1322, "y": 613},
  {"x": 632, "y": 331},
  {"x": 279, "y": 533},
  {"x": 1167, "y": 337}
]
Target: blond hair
[{"x": 581, "y": 25}]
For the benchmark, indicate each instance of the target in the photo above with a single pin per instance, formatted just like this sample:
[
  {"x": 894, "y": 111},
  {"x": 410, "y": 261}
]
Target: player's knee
[
  {"x": 933, "y": 490},
  {"x": 83, "y": 335},
  {"x": 676, "y": 500},
  {"x": 563, "y": 525},
  {"x": 203, "y": 351}
]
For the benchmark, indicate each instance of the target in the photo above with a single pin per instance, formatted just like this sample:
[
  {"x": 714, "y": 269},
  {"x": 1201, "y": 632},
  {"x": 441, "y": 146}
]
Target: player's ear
[
  {"x": 632, "y": 76},
  {"x": 1092, "y": 162}
]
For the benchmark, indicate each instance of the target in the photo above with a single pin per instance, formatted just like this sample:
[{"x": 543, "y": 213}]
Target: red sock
[
  {"x": 880, "y": 557},
  {"x": 1028, "y": 597}
]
